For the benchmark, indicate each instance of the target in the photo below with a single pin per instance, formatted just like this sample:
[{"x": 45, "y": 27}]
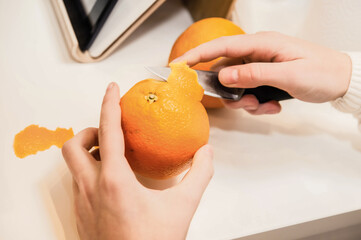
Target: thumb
[
  {"x": 252, "y": 75},
  {"x": 200, "y": 174}
]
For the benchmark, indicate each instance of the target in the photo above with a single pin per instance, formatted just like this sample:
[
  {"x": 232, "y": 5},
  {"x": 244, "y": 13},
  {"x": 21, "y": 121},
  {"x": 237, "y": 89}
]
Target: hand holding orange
[{"x": 164, "y": 123}]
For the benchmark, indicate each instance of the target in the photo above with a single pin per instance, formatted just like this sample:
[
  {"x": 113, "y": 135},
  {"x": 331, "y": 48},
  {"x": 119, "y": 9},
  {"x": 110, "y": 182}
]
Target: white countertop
[{"x": 270, "y": 171}]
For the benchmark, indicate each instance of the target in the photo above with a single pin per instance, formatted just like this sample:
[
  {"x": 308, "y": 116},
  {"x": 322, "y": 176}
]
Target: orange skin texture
[
  {"x": 162, "y": 136},
  {"x": 200, "y": 32},
  {"x": 34, "y": 138}
]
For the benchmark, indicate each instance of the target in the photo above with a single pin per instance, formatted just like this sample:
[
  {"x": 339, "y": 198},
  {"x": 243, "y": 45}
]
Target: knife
[{"x": 212, "y": 87}]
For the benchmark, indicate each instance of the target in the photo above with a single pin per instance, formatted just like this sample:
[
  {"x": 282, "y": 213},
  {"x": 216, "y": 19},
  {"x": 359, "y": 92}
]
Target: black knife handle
[{"x": 267, "y": 93}]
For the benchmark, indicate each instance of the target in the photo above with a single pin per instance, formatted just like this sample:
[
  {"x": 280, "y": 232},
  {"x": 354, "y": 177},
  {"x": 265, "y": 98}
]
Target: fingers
[
  {"x": 271, "y": 107},
  {"x": 260, "y": 47},
  {"x": 247, "y": 102},
  {"x": 111, "y": 140},
  {"x": 251, "y": 105},
  {"x": 226, "y": 62},
  {"x": 266, "y": 60},
  {"x": 199, "y": 175},
  {"x": 76, "y": 155},
  {"x": 252, "y": 75},
  {"x": 209, "y": 51}
]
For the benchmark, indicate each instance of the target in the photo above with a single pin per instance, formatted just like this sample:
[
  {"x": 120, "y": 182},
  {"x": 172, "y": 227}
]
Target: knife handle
[{"x": 267, "y": 93}]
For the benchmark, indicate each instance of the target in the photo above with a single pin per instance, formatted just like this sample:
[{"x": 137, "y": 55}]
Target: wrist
[
  {"x": 350, "y": 102},
  {"x": 345, "y": 65}
]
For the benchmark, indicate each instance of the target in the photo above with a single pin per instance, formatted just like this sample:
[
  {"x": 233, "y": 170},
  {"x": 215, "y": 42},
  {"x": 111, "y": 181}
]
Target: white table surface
[{"x": 270, "y": 171}]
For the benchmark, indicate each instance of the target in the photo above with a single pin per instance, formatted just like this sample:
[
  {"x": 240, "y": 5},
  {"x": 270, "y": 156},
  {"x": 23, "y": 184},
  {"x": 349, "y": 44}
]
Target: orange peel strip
[{"x": 34, "y": 138}]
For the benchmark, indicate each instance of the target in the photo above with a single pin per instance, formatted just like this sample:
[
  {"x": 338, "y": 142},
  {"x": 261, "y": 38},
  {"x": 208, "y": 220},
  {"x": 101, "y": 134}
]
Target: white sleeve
[{"x": 351, "y": 101}]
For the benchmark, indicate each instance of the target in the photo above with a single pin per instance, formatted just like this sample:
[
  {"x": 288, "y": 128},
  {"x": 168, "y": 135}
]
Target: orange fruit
[
  {"x": 200, "y": 32},
  {"x": 164, "y": 123}
]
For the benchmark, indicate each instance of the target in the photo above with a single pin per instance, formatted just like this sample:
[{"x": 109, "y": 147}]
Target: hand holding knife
[{"x": 212, "y": 87}]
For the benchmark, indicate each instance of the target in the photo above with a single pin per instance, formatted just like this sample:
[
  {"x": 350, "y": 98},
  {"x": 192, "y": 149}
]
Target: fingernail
[
  {"x": 250, "y": 107},
  {"x": 229, "y": 78},
  {"x": 110, "y": 86}
]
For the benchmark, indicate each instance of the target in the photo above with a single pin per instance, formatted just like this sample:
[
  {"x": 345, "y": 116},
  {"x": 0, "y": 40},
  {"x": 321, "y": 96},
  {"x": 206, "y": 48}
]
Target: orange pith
[
  {"x": 164, "y": 123},
  {"x": 200, "y": 32}
]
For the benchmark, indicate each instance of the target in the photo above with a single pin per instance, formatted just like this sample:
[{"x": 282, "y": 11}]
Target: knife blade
[{"x": 212, "y": 87}]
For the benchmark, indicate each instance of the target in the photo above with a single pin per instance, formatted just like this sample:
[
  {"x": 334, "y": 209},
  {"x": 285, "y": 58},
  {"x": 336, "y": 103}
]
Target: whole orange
[
  {"x": 164, "y": 123},
  {"x": 200, "y": 32}
]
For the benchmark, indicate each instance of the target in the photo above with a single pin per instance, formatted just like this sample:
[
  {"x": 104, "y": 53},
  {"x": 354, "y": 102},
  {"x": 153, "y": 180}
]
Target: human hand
[
  {"x": 307, "y": 71},
  {"x": 109, "y": 201}
]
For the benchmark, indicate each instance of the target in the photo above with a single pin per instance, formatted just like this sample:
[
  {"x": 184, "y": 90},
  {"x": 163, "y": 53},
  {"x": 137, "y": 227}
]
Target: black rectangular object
[{"x": 87, "y": 27}]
